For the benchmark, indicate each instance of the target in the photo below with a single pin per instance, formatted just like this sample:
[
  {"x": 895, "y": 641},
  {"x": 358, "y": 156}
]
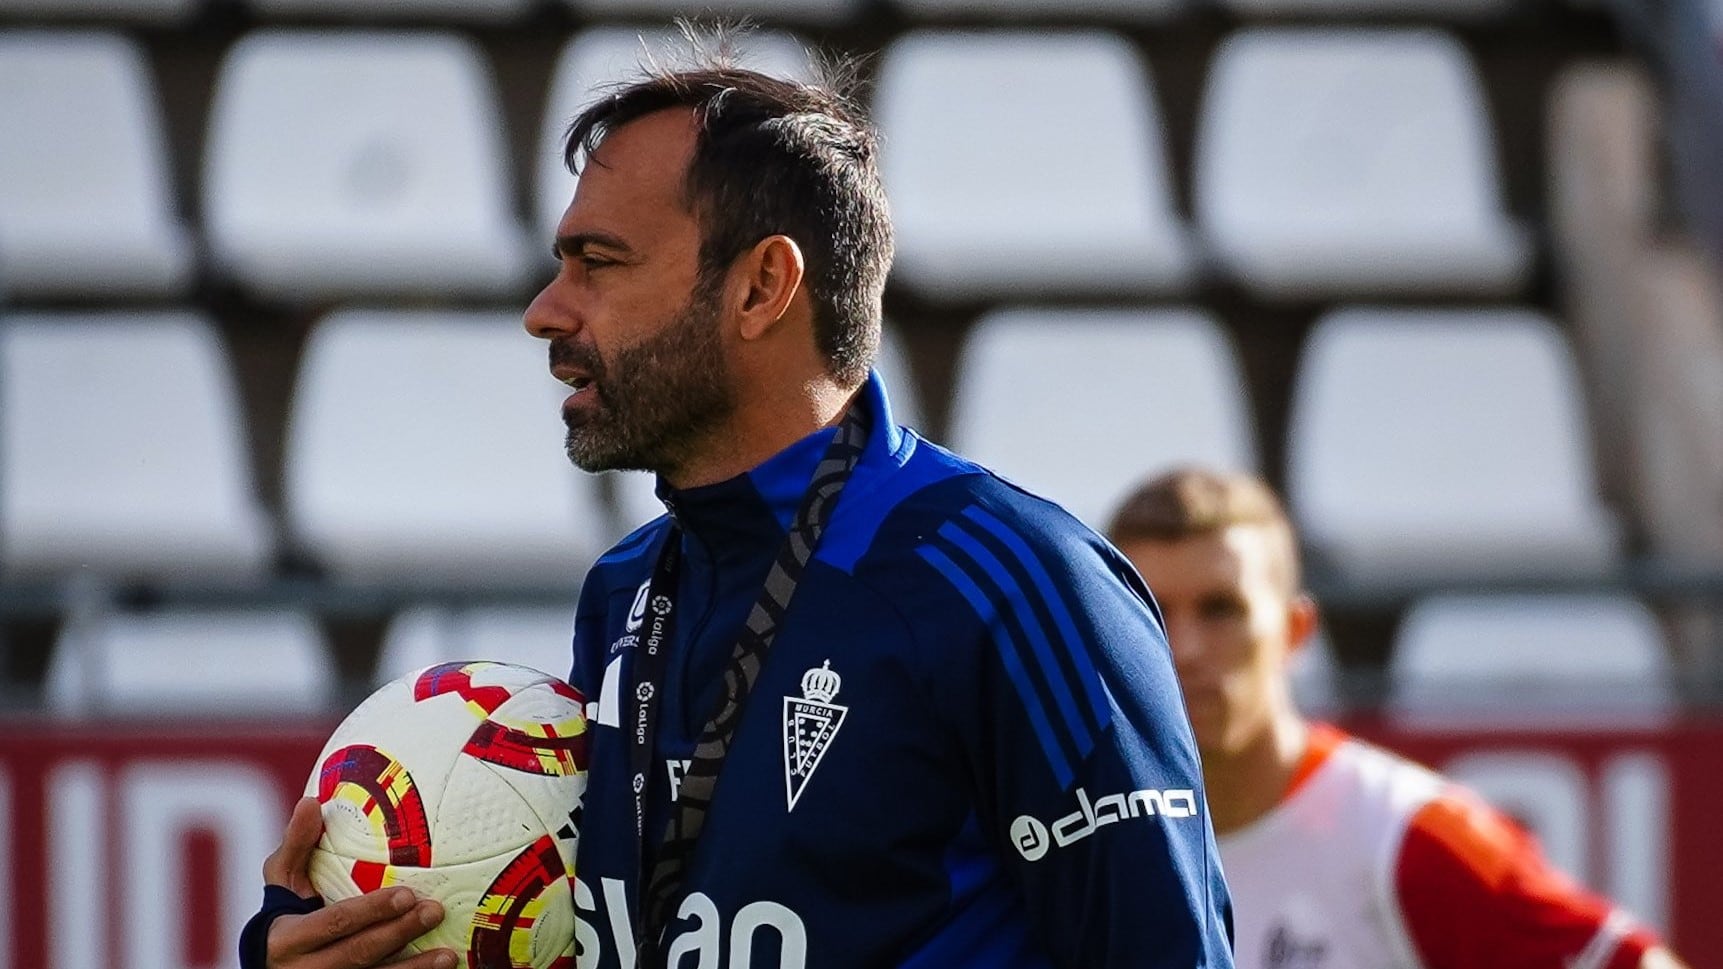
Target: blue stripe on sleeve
[
  {"x": 1012, "y": 591},
  {"x": 1011, "y": 657},
  {"x": 1075, "y": 646}
]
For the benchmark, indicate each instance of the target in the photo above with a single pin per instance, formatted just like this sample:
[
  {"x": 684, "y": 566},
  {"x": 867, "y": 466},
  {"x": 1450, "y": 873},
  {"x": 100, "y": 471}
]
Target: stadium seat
[
  {"x": 86, "y": 206},
  {"x": 1348, "y": 161},
  {"x": 1444, "y": 443},
  {"x": 122, "y": 451},
  {"x": 812, "y": 12},
  {"x": 140, "y": 11},
  {"x": 265, "y": 663},
  {"x": 600, "y": 57},
  {"x": 1535, "y": 661},
  {"x": 346, "y": 163},
  {"x": 1018, "y": 193},
  {"x": 540, "y": 637},
  {"x": 1080, "y": 405},
  {"x": 474, "y": 11},
  {"x": 428, "y": 446},
  {"x": 1347, "y": 9},
  {"x": 1121, "y": 11}
]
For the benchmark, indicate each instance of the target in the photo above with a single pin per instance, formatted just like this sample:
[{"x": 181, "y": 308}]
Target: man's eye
[
  {"x": 1223, "y": 609},
  {"x": 594, "y": 262}
]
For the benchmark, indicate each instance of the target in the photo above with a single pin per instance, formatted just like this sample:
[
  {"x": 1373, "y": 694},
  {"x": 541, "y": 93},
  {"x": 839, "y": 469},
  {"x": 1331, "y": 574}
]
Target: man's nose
[
  {"x": 1185, "y": 642},
  {"x": 548, "y": 317}
]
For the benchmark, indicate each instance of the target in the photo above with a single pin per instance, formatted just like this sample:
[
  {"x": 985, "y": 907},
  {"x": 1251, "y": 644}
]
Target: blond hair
[{"x": 1192, "y": 502}]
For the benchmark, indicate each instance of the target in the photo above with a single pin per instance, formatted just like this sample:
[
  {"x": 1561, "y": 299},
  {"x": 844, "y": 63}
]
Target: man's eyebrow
[{"x": 574, "y": 243}]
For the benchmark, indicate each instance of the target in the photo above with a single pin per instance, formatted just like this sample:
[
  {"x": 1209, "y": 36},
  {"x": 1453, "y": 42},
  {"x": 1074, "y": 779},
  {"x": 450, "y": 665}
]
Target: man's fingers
[
  {"x": 396, "y": 912},
  {"x": 434, "y": 959},
  {"x": 383, "y": 941},
  {"x": 288, "y": 866}
]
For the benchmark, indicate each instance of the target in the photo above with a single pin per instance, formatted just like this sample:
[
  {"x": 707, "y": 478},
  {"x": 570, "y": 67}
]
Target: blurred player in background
[
  {"x": 1338, "y": 853},
  {"x": 967, "y": 747}
]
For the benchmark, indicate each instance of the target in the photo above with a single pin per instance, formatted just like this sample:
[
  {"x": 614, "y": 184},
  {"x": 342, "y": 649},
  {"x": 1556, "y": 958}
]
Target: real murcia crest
[{"x": 811, "y": 722}]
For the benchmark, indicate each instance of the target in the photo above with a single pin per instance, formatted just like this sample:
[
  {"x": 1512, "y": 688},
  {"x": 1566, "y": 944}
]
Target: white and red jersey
[{"x": 1373, "y": 862}]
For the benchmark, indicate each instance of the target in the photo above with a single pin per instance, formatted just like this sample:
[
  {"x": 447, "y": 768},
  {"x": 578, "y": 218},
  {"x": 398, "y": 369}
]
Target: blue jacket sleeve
[
  {"x": 586, "y": 672},
  {"x": 254, "y": 938},
  {"x": 1085, "y": 766}
]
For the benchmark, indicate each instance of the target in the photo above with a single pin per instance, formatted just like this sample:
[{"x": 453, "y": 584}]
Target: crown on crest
[{"x": 821, "y": 684}]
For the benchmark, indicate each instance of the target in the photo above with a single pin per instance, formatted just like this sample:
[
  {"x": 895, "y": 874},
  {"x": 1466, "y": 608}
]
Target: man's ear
[
  {"x": 766, "y": 280},
  {"x": 1302, "y": 618}
]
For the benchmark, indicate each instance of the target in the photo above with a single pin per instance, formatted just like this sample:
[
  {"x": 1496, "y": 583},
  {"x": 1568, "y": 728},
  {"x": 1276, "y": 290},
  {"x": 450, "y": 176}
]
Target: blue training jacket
[{"x": 966, "y": 749}]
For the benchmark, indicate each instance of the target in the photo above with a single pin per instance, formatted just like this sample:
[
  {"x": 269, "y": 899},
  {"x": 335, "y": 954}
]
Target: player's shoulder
[
  {"x": 972, "y": 553},
  {"x": 1362, "y": 795},
  {"x": 955, "y": 496},
  {"x": 1451, "y": 828},
  {"x": 1381, "y": 776},
  {"x": 1427, "y": 819},
  {"x": 1457, "y": 829},
  {"x": 1474, "y": 889}
]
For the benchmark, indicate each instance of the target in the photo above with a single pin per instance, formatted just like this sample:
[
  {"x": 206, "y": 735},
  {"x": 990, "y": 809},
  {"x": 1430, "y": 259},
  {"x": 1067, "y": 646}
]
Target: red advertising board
[{"x": 134, "y": 845}]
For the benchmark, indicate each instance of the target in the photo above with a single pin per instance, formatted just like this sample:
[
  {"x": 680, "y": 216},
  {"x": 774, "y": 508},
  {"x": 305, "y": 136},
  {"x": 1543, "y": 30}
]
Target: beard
[{"x": 658, "y": 399}]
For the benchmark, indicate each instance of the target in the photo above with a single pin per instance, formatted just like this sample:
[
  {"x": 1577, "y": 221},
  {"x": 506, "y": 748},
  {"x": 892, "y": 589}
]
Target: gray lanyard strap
[{"x": 700, "y": 780}]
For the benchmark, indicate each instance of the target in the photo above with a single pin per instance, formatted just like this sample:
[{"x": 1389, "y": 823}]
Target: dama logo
[{"x": 1034, "y": 838}]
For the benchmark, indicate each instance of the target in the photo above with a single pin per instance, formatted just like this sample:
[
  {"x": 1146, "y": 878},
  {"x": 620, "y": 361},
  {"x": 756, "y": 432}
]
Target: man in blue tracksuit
[{"x": 856, "y": 701}]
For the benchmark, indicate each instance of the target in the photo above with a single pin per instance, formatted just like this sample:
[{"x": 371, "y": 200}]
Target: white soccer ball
[{"x": 462, "y": 781}]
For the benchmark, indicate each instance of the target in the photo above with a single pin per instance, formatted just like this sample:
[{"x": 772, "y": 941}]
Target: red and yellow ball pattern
[{"x": 461, "y": 781}]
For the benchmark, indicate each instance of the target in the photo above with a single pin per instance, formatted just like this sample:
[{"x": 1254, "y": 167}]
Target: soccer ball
[{"x": 462, "y": 781}]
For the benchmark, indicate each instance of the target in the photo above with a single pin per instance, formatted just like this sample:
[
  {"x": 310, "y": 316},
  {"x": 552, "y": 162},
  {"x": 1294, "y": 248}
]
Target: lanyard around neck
[{"x": 699, "y": 781}]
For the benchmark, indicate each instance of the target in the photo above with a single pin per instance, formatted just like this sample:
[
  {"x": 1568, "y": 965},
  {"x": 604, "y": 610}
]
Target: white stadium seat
[
  {"x": 539, "y": 637},
  {"x": 86, "y": 205},
  {"x": 122, "y": 450},
  {"x": 1342, "y": 161},
  {"x": 1530, "y": 661},
  {"x": 428, "y": 446},
  {"x": 141, "y": 11},
  {"x": 599, "y": 58},
  {"x": 1123, "y": 11},
  {"x": 1049, "y": 178},
  {"x": 1080, "y": 405},
  {"x": 820, "y": 12},
  {"x": 348, "y": 163},
  {"x": 1458, "y": 10},
  {"x": 263, "y": 663},
  {"x": 1444, "y": 442},
  {"x": 475, "y": 11}
]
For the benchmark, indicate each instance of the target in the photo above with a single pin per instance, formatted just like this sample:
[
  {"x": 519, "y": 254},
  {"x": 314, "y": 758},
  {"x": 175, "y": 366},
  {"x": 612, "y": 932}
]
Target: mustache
[{"x": 567, "y": 352}]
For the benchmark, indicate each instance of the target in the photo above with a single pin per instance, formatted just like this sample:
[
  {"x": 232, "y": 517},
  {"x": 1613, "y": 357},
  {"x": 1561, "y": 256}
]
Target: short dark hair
[
  {"x": 1192, "y": 502},
  {"x": 774, "y": 157}
]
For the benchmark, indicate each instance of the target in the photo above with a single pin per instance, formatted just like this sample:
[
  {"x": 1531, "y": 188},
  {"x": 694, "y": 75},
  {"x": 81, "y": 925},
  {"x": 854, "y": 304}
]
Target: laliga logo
[{"x": 1031, "y": 836}]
